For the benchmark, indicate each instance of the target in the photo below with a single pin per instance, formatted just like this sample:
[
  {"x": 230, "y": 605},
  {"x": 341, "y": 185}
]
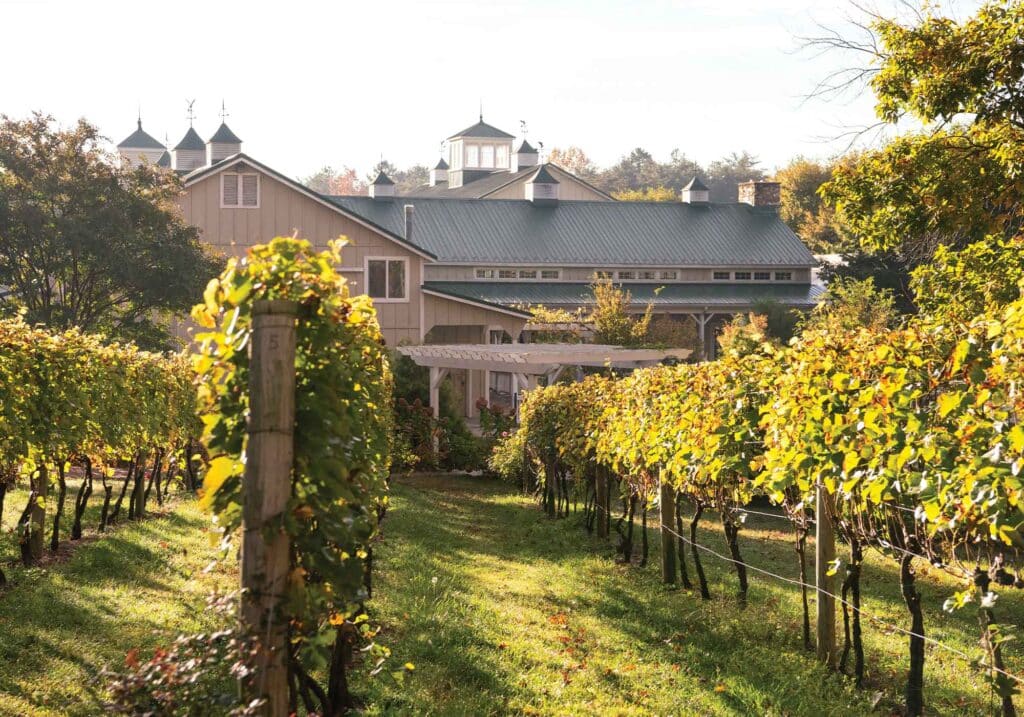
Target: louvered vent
[
  {"x": 250, "y": 190},
  {"x": 229, "y": 190}
]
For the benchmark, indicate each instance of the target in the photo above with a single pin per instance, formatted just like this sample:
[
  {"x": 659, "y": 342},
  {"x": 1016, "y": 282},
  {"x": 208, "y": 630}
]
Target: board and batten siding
[
  {"x": 283, "y": 210},
  {"x": 439, "y": 311},
  {"x": 570, "y": 188}
]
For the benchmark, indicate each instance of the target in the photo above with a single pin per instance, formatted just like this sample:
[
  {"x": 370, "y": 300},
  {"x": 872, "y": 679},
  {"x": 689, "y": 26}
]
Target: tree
[
  {"x": 851, "y": 305},
  {"x": 647, "y": 194},
  {"x": 802, "y": 206},
  {"x": 725, "y": 174},
  {"x": 573, "y": 159},
  {"x": 331, "y": 181},
  {"x": 636, "y": 170},
  {"x": 780, "y": 320},
  {"x": 407, "y": 180},
  {"x": 86, "y": 241},
  {"x": 613, "y": 324},
  {"x": 744, "y": 335}
]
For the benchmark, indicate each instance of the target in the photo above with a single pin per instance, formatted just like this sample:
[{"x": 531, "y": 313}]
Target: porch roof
[{"x": 534, "y": 359}]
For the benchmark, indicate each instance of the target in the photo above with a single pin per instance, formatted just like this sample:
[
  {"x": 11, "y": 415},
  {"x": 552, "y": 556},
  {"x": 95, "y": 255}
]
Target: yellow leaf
[{"x": 221, "y": 468}]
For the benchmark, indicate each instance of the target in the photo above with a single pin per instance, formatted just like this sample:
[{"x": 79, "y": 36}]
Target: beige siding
[
  {"x": 283, "y": 210},
  {"x": 438, "y": 311},
  {"x": 441, "y": 272},
  {"x": 569, "y": 189}
]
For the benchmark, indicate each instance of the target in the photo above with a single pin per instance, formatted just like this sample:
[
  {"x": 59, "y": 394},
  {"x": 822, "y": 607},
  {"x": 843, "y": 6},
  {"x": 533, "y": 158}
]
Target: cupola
[
  {"x": 382, "y": 187},
  {"x": 476, "y": 152},
  {"x": 190, "y": 152},
  {"x": 542, "y": 188},
  {"x": 524, "y": 156},
  {"x": 222, "y": 144},
  {"x": 140, "y": 147},
  {"x": 695, "y": 192},
  {"x": 439, "y": 174}
]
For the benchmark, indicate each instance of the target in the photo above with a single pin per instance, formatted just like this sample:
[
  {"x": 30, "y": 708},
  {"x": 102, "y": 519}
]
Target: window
[
  {"x": 487, "y": 156},
  {"x": 783, "y": 276},
  {"x": 626, "y": 275},
  {"x": 742, "y": 276},
  {"x": 472, "y": 155},
  {"x": 648, "y": 275},
  {"x": 550, "y": 273},
  {"x": 385, "y": 279},
  {"x": 602, "y": 275},
  {"x": 671, "y": 275},
  {"x": 240, "y": 190},
  {"x": 502, "y": 159},
  {"x": 762, "y": 275},
  {"x": 507, "y": 274},
  {"x": 485, "y": 273},
  {"x": 721, "y": 276},
  {"x": 527, "y": 273}
]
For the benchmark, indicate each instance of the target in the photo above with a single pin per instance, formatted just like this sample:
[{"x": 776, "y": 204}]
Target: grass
[
  {"x": 504, "y": 611},
  {"x": 136, "y": 586}
]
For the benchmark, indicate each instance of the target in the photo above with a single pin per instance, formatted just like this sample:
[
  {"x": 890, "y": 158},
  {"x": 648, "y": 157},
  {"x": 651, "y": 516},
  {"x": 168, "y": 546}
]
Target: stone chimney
[
  {"x": 382, "y": 187},
  {"x": 439, "y": 173},
  {"x": 695, "y": 192},
  {"x": 763, "y": 195},
  {"x": 542, "y": 188},
  {"x": 524, "y": 156}
]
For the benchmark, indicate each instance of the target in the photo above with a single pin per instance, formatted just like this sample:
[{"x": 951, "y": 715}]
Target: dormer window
[{"x": 240, "y": 190}]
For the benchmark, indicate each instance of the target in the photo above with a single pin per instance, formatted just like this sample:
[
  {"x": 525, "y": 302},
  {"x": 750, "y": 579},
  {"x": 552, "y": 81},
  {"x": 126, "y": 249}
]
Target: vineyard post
[
  {"x": 668, "y": 543},
  {"x": 38, "y": 514},
  {"x": 602, "y": 502},
  {"x": 824, "y": 556},
  {"x": 266, "y": 488}
]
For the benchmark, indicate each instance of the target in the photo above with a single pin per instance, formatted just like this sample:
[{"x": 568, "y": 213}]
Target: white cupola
[
  {"x": 542, "y": 188},
  {"x": 524, "y": 156},
  {"x": 695, "y": 192},
  {"x": 222, "y": 144},
  {"x": 139, "y": 147},
  {"x": 439, "y": 174},
  {"x": 190, "y": 152},
  {"x": 382, "y": 187}
]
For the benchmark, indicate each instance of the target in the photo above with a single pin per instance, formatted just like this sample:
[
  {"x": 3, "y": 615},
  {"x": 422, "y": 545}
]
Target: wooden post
[
  {"x": 37, "y": 516},
  {"x": 824, "y": 555},
  {"x": 668, "y": 541},
  {"x": 265, "y": 491},
  {"x": 602, "y": 501}
]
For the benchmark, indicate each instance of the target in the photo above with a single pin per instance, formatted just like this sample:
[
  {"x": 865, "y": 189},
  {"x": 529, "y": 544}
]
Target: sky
[{"x": 308, "y": 84}]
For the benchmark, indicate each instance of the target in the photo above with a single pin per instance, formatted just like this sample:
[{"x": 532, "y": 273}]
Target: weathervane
[
  {"x": 189, "y": 114},
  {"x": 223, "y": 112}
]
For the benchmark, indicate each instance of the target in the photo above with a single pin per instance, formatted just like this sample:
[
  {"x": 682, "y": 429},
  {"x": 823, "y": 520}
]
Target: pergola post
[{"x": 437, "y": 375}]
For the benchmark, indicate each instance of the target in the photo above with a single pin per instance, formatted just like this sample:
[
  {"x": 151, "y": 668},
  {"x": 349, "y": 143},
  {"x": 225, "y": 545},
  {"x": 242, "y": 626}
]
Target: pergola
[{"x": 527, "y": 362}]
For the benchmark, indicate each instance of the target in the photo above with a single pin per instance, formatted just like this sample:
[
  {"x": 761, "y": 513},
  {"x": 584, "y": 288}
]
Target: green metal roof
[
  {"x": 382, "y": 179},
  {"x": 590, "y": 233},
  {"x": 140, "y": 139},
  {"x": 482, "y": 129},
  {"x": 224, "y": 135},
  {"x": 511, "y": 293},
  {"x": 191, "y": 140}
]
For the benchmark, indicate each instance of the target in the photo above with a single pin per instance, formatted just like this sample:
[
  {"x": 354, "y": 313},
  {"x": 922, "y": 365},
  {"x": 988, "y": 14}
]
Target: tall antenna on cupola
[{"x": 189, "y": 114}]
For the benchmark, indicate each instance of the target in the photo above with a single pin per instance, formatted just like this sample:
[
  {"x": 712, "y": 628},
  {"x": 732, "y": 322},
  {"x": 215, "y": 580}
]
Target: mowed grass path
[
  {"x": 135, "y": 587},
  {"x": 504, "y": 611}
]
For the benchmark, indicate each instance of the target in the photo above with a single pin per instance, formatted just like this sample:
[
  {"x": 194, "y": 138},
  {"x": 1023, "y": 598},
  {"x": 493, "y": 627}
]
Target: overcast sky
[{"x": 342, "y": 83}]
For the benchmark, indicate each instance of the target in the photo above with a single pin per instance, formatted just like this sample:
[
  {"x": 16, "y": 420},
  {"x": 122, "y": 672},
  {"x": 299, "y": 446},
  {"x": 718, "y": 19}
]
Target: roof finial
[
  {"x": 223, "y": 113},
  {"x": 189, "y": 114},
  {"x": 481, "y": 109},
  {"x": 140, "y": 115}
]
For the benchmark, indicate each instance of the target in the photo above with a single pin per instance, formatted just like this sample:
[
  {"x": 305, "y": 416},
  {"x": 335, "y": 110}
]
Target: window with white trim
[
  {"x": 626, "y": 275},
  {"x": 647, "y": 275},
  {"x": 487, "y": 156},
  {"x": 485, "y": 273},
  {"x": 472, "y": 155},
  {"x": 602, "y": 275},
  {"x": 550, "y": 274},
  {"x": 670, "y": 275},
  {"x": 742, "y": 276},
  {"x": 762, "y": 275},
  {"x": 507, "y": 273},
  {"x": 527, "y": 273},
  {"x": 783, "y": 276},
  {"x": 721, "y": 276},
  {"x": 386, "y": 278},
  {"x": 501, "y": 160},
  {"x": 239, "y": 190}
]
